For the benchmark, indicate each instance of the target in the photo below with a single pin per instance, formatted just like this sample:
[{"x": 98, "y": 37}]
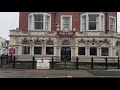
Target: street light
[
  {"x": 43, "y": 43},
  {"x": 31, "y": 45}
]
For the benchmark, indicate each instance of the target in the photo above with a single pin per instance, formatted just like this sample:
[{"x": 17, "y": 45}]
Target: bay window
[
  {"x": 92, "y": 21},
  {"x": 39, "y": 21}
]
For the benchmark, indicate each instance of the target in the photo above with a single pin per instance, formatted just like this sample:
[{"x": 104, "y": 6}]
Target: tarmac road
[{"x": 32, "y": 73}]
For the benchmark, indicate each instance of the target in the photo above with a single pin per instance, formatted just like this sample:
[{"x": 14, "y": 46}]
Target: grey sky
[{"x": 10, "y": 20}]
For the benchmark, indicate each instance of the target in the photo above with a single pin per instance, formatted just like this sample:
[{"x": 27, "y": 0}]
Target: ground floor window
[
  {"x": 81, "y": 50},
  {"x": 37, "y": 50},
  {"x": 25, "y": 50},
  {"x": 93, "y": 51},
  {"x": 49, "y": 50},
  {"x": 104, "y": 51}
]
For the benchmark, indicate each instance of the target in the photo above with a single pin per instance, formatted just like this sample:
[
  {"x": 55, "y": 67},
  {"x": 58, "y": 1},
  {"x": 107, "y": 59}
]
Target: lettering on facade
[{"x": 66, "y": 34}]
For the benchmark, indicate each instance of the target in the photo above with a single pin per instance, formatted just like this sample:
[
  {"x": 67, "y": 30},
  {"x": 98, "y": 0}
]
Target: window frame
[
  {"x": 39, "y": 21},
  {"x": 31, "y": 22},
  {"x": 62, "y": 21},
  {"x": 110, "y": 23},
  {"x": 24, "y": 52},
  {"x": 38, "y": 47},
  {"x": 101, "y": 25},
  {"x": 79, "y": 50},
  {"x": 90, "y": 51},
  {"x": 49, "y": 47},
  {"x": 102, "y": 52}
]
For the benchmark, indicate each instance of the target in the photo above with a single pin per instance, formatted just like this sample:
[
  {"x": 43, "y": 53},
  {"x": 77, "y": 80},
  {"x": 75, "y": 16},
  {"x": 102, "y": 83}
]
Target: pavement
[
  {"x": 34, "y": 73},
  {"x": 30, "y": 73}
]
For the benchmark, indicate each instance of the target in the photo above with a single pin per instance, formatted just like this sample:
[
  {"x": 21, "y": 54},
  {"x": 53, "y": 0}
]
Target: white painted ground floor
[{"x": 82, "y": 45}]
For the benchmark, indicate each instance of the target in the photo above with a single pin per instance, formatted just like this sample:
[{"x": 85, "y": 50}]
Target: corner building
[{"x": 65, "y": 35}]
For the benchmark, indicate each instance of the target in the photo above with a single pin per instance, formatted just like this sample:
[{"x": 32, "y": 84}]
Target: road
[{"x": 31, "y": 73}]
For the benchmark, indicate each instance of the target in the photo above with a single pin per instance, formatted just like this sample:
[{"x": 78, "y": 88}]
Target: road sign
[{"x": 12, "y": 50}]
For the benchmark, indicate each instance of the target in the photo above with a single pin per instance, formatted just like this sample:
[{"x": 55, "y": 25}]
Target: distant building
[
  {"x": 3, "y": 46},
  {"x": 66, "y": 35}
]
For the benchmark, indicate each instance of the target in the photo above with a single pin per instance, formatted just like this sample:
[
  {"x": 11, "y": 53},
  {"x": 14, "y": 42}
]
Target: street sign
[{"x": 12, "y": 50}]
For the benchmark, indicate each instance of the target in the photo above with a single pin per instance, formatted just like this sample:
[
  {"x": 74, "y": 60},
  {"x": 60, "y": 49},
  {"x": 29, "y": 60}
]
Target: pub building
[{"x": 65, "y": 35}]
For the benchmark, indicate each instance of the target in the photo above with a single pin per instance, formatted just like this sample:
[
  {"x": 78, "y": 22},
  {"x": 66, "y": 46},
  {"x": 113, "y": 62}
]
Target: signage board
[
  {"x": 66, "y": 34},
  {"x": 12, "y": 50},
  {"x": 42, "y": 64}
]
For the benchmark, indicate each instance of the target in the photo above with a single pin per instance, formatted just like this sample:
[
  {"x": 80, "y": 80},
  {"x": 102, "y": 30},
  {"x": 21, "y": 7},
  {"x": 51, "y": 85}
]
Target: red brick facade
[{"x": 56, "y": 19}]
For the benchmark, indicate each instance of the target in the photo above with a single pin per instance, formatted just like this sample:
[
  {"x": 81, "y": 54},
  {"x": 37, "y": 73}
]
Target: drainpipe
[
  {"x": 54, "y": 13},
  {"x": 116, "y": 23}
]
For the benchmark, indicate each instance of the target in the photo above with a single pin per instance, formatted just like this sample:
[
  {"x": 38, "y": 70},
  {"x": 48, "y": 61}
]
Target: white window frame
[
  {"x": 31, "y": 21},
  {"x": 62, "y": 21},
  {"x": 110, "y": 24},
  {"x": 100, "y": 28}
]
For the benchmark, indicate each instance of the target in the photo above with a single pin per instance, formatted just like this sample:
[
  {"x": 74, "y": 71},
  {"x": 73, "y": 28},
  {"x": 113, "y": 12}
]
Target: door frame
[{"x": 65, "y": 54}]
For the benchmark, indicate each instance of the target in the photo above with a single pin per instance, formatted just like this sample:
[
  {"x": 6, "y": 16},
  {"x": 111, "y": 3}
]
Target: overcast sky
[{"x": 10, "y": 20}]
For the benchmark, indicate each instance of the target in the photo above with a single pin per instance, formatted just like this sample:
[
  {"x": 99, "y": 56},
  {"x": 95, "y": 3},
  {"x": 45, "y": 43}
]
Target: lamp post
[
  {"x": 43, "y": 45},
  {"x": 31, "y": 45}
]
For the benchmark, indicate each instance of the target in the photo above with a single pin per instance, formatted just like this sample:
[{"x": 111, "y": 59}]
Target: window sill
[
  {"x": 40, "y": 30},
  {"x": 92, "y": 31}
]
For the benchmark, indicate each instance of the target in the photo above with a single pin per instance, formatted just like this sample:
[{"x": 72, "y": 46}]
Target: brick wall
[{"x": 23, "y": 22}]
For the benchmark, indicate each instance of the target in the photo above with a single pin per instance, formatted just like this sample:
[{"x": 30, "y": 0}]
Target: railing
[
  {"x": 92, "y": 62},
  {"x": 78, "y": 63}
]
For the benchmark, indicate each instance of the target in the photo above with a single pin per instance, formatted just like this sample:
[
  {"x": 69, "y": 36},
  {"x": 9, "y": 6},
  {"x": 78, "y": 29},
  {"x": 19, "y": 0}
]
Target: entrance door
[{"x": 66, "y": 54}]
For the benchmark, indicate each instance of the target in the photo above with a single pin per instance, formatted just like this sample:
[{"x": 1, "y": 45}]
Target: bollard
[
  {"x": 1, "y": 59},
  {"x": 65, "y": 63},
  {"x": 33, "y": 65},
  {"x": 106, "y": 63},
  {"x": 14, "y": 61},
  {"x": 11, "y": 58},
  {"x": 92, "y": 63},
  {"x": 7, "y": 59},
  {"x": 118, "y": 63},
  {"x": 77, "y": 63},
  {"x": 52, "y": 63}
]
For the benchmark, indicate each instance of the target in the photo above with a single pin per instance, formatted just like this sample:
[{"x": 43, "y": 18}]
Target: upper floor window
[
  {"x": 3, "y": 45},
  {"x": 92, "y": 21},
  {"x": 39, "y": 21},
  {"x": 112, "y": 23},
  {"x": 66, "y": 22}
]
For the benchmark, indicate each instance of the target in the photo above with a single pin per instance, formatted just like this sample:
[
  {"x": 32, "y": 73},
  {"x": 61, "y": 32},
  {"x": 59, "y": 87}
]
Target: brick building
[{"x": 65, "y": 35}]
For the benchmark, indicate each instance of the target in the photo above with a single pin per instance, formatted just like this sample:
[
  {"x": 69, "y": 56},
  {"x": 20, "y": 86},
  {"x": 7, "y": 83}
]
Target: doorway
[{"x": 66, "y": 54}]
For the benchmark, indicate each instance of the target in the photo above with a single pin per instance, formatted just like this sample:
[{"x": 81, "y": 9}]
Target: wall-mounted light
[{"x": 74, "y": 29}]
